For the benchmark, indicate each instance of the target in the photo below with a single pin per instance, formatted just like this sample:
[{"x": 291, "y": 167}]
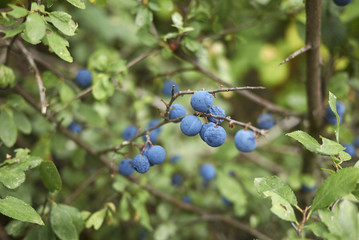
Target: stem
[{"x": 313, "y": 83}]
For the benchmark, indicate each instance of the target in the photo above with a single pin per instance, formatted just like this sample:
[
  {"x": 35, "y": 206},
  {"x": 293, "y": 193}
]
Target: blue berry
[
  {"x": 226, "y": 201},
  {"x": 201, "y": 101},
  {"x": 125, "y": 167},
  {"x": 245, "y": 140},
  {"x": 176, "y": 111},
  {"x": 207, "y": 171},
  {"x": 217, "y": 111},
  {"x": 349, "y": 148},
  {"x": 265, "y": 121},
  {"x": 191, "y": 125},
  {"x": 342, "y": 3},
  {"x": 204, "y": 129},
  {"x": 215, "y": 136},
  {"x": 167, "y": 88},
  {"x": 356, "y": 142},
  {"x": 84, "y": 78},
  {"x": 176, "y": 179},
  {"x": 186, "y": 199},
  {"x": 140, "y": 163},
  {"x": 175, "y": 159},
  {"x": 75, "y": 127},
  {"x": 330, "y": 117},
  {"x": 129, "y": 132},
  {"x": 156, "y": 154},
  {"x": 308, "y": 189}
]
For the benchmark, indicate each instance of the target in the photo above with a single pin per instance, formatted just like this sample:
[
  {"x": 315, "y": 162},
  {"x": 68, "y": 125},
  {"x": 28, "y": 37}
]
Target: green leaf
[
  {"x": 88, "y": 114},
  {"x": 63, "y": 21},
  {"x": 191, "y": 44},
  {"x": 103, "y": 87},
  {"x": 22, "y": 122},
  {"x": 165, "y": 231},
  {"x": 66, "y": 93},
  {"x": 20, "y": 210},
  {"x": 12, "y": 175},
  {"x": 328, "y": 146},
  {"x": 50, "y": 176},
  {"x": 335, "y": 187},
  {"x": 154, "y": 6},
  {"x": 144, "y": 16},
  {"x": 75, "y": 215},
  {"x": 77, "y": 3},
  {"x": 17, "y": 12},
  {"x": 170, "y": 35},
  {"x": 124, "y": 208},
  {"x": 281, "y": 207},
  {"x": 333, "y": 106},
  {"x": 142, "y": 213},
  {"x": 62, "y": 224},
  {"x": 8, "y": 130},
  {"x": 318, "y": 228},
  {"x": 96, "y": 219},
  {"x": 59, "y": 45},
  {"x": 177, "y": 20},
  {"x": 304, "y": 138},
  {"x": 276, "y": 185},
  {"x": 7, "y": 77},
  {"x": 348, "y": 218},
  {"x": 232, "y": 190},
  {"x": 35, "y": 27},
  {"x": 15, "y": 228},
  {"x": 41, "y": 233},
  {"x": 14, "y": 31}
]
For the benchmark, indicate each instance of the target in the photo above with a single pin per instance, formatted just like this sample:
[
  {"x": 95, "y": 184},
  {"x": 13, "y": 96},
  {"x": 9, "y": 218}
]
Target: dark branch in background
[
  {"x": 141, "y": 57},
  {"x": 313, "y": 83},
  {"x": 42, "y": 90},
  {"x": 155, "y": 192},
  {"x": 3, "y": 234},
  {"x": 84, "y": 186},
  {"x": 295, "y": 54},
  {"x": 255, "y": 98}
]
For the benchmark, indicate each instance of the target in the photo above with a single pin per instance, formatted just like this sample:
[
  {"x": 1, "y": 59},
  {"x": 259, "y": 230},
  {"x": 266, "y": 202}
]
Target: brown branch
[
  {"x": 3, "y": 234},
  {"x": 149, "y": 188},
  {"x": 83, "y": 186},
  {"x": 141, "y": 57},
  {"x": 255, "y": 98},
  {"x": 42, "y": 89},
  {"x": 78, "y": 96},
  {"x": 295, "y": 54},
  {"x": 313, "y": 86}
]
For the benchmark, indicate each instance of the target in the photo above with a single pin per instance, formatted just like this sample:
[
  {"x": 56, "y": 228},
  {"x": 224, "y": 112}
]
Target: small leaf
[
  {"x": 62, "y": 224},
  {"x": 59, "y": 45},
  {"x": 17, "y": 12},
  {"x": 335, "y": 187},
  {"x": 318, "y": 228},
  {"x": 7, "y": 77},
  {"x": 22, "y": 122},
  {"x": 165, "y": 231},
  {"x": 154, "y": 6},
  {"x": 177, "y": 20},
  {"x": 276, "y": 185},
  {"x": 191, "y": 44},
  {"x": 75, "y": 215},
  {"x": 15, "y": 228},
  {"x": 66, "y": 93},
  {"x": 328, "y": 146},
  {"x": 333, "y": 106},
  {"x": 144, "y": 16},
  {"x": 12, "y": 32},
  {"x": 124, "y": 208},
  {"x": 11, "y": 178},
  {"x": 77, "y": 3},
  {"x": 63, "y": 21},
  {"x": 20, "y": 210},
  {"x": 170, "y": 35},
  {"x": 96, "y": 219},
  {"x": 281, "y": 207},
  {"x": 304, "y": 138},
  {"x": 40, "y": 233},
  {"x": 50, "y": 176},
  {"x": 35, "y": 27},
  {"x": 8, "y": 130}
]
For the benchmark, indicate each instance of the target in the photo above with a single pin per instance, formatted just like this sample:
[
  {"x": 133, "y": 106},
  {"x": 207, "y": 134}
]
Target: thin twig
[
  {"x": 83, "y": 186},
  {"x": 42, "y": 89},
  {"x": 255, "y": 98},
  {"x": 80, "y": 95},
  {"x": 295, "y": 54},
  {"x": 149, "y": 188},
  {"x": 166, "y": 74},
  {"x": 141, "y": 57}
]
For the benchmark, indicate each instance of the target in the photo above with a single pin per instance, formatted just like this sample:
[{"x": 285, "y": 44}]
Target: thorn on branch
[{"x": 295, "y": 54}]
